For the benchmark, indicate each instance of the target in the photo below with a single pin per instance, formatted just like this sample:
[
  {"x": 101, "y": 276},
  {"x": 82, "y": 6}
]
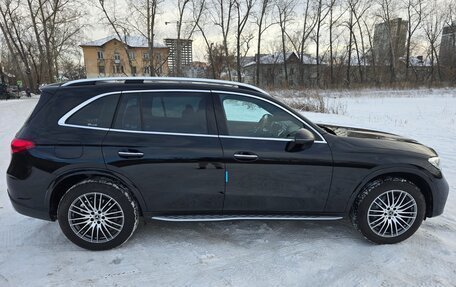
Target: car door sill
[{"x": 241, "y": 217}]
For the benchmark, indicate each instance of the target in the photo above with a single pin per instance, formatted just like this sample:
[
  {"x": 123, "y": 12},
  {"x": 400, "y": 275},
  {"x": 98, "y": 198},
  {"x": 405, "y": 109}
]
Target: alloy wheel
[
  {"x": 96, "y": 217},
  {"x": 392, "y": 213}
]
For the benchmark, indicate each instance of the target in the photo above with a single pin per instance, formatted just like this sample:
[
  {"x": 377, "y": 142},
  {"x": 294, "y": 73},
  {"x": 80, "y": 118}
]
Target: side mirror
[{"x": 303, "y": 139}]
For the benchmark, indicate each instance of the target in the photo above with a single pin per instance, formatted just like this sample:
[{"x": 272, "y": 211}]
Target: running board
[{"x": 241, "y": 217}]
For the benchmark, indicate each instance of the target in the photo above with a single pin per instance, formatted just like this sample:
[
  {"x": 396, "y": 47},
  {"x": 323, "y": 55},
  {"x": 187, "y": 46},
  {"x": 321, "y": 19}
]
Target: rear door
[
  {"x": 166, "y": 143},
  {"x": 263, "y": 177}
]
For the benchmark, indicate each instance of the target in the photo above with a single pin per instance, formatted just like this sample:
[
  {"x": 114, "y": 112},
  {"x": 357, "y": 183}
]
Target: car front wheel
[
  {"x": 97, "y": 214},
  {"x": 389, "y": 210}
]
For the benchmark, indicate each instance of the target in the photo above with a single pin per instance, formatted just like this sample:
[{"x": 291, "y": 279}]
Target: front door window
[{"x": 250, "y": 117}]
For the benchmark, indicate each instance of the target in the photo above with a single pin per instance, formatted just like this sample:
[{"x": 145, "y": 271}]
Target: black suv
[{"x": 96, "y": 154}]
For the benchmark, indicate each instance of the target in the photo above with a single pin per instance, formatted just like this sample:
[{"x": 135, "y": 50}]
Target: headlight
[{"x": 435, "y": 161}]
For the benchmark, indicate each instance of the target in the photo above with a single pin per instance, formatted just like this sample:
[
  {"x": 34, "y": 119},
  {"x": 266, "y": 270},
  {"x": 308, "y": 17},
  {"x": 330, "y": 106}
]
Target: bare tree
[
  {"x": 415, "y": 15},
  {"x": 200, "y": 13},
  {"x": 55, "y": 25},
  {"x": 119, "y": 26},
  {"x": 285, "y": 10},
  {"x": 40, "y": 33},
  {"x": 263, "y": 25},
  {"x": 433, "y": 26},
  {"x": 357, "y": 9},
  {"x": 386, "y": 13},
  {"x": 299, "y": 42},
  {"x": 143, "y": 21},
  {"x": 242, "y": 9},
  {"x": 222, "y": 17},
  {"x": 322, "y": 13},
  {"x": 333, "y": 21},
  {"x": 15, "y": 37},
  {"x": 370, "y": 54}
]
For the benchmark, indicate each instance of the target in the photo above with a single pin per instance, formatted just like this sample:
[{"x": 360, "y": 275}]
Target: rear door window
[
  {"x": 98, "y": 113},
  {"x": 173, "y": 112},
  {"x": 128, "y": 115}
]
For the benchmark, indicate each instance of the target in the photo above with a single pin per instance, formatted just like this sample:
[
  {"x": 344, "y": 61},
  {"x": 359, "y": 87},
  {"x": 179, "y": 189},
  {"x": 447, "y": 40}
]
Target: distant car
[{"x": 96, "y": 154}]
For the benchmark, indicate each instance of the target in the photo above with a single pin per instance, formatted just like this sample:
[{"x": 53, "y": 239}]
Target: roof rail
[{"x": 93, "y": 81}]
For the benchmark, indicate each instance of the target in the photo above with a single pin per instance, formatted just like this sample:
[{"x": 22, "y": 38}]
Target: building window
[
  {"x": 131, "y": 55},
  {"x": 146, "y": 56},
  {"x": 116, "y": 57},
  {"x": 100, "y": 55},
  {"x": 122, "y": 69},
  {"x": 133, "y": 71},
  {"x": 118, "y": 69},
  {"x": 158, "y": 57},
  {"x": 101, "y": 69},
  {"x": 146, "y": 70}
]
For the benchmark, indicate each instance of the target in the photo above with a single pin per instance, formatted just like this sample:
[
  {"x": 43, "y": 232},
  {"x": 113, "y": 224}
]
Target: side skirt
[{"x": 241, "y": 217}]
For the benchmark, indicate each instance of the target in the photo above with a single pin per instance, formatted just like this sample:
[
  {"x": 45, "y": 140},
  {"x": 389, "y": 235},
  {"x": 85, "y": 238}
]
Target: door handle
[
  {"x": 245, "y": 156},
  {"x": 129, "y": 154}
]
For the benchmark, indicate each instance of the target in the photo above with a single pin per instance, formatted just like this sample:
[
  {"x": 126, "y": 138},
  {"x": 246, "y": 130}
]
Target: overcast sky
[
  {"x": 271, "y": 39},
  {"x": 169, "y": 13}
]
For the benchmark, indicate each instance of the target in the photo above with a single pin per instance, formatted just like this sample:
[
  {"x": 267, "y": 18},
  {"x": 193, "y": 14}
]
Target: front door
[
  {"x": 262, "y": 176},
  {"x": 166, "y": 143}
]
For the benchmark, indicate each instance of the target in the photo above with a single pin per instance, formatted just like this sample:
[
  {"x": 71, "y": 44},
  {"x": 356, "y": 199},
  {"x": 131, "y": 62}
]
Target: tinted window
[
  {"x": 163, "y": 112},
  {"x": 251, "y": 117},
  {"x": 98, "y": 113},
  {"x": 128, "y": 115}
]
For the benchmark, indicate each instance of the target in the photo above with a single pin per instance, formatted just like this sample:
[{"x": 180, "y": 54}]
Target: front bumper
[{"x": 440, "y": 190}]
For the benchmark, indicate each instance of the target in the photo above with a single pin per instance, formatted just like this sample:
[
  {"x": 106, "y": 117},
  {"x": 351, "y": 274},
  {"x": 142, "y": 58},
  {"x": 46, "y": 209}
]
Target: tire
[
  {"x": 97, "y": 214},
  {"x": 389, "y": 210}
]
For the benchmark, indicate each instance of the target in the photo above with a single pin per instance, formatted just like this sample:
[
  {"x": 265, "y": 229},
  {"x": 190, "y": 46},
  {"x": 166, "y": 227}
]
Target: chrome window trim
[
  {"x": 280, "y": 107},
  {"x": 255, "y": 138},
  {"x": 163, "y": 133},
  {"x": 64, "y": 118}
]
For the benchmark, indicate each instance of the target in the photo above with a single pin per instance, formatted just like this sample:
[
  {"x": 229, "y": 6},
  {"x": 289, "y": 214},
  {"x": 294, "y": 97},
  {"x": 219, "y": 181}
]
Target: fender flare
[
  {"x": 385, "y": 170},
  {"x": 95, "y": 172}
]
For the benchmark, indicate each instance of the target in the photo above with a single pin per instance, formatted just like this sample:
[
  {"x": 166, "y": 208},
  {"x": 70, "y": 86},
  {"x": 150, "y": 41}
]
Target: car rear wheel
[
  {"x": 97, "y": 214},
  {"x": 389, "y": 210}
]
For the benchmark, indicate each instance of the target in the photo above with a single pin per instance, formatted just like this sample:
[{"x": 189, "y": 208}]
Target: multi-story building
[
  {"x": 447, "y": 54},
  {"x": 389, "y": 41},
  {"x": 180, "y": 55},
  {"x": 111, "y": 57}
]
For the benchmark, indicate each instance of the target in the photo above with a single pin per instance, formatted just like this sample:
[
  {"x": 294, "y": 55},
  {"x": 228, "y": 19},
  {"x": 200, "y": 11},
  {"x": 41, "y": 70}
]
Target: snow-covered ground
[{"x": 255, "y": 253}]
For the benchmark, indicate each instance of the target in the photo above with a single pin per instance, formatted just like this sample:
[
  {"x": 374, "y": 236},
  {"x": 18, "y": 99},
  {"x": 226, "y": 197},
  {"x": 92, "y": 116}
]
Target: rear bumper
[
  {"x": 440, "y": 190},
  {"x": 22, "y": 206},
  {"x": 28, "y": 196}
]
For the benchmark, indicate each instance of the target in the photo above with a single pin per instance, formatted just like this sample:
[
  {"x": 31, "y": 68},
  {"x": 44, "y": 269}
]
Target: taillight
[{"x": 18, "y": 145}]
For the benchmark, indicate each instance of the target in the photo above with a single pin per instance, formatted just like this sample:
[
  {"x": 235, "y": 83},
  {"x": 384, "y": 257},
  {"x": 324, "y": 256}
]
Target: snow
[
  {"x": 254, "y": 253},
  {"x": 131, "y": 40}
]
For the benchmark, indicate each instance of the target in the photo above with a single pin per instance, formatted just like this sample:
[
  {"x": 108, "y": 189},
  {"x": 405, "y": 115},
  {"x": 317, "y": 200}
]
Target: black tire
[
  {"x": 116, "y": 215},
  {"x": 378, "y": 188}
]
